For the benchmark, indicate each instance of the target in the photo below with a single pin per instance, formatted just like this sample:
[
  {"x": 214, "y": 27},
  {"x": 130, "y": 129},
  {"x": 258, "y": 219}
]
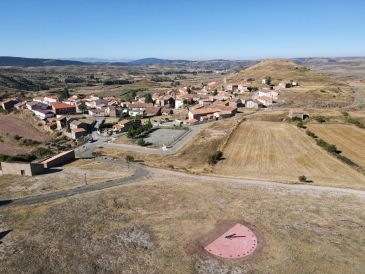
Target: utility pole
[{"x": 85, "y": 180}]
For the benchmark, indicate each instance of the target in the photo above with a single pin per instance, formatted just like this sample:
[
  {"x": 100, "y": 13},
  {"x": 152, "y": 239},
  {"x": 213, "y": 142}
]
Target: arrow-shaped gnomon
[{"x": 232, "y": 236}]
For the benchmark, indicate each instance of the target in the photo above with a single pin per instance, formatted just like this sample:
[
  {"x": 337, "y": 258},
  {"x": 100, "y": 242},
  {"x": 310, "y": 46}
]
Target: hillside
[
  {"x": 315, "y": 90},
  {"x": 36, "y": 62}
]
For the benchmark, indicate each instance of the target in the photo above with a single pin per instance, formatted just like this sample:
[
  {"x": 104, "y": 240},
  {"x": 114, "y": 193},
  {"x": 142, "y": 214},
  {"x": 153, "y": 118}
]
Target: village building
[
  {"x": 61, "y": 122},
  {"x": 125, "y": 125},
  {"x": 59, "y": 159},
  {"x": 152, "y": 111},
  {"x": 21, "y": 168},
  {"x": 50, "y": 99},
  {"x": 265, "y": 100},
  {"x": 43, "y": 113},
  {"x": 77, "y": 133},
  {"x": 285, "y": 84},
  {"x": 296, "y": 113},
  {"x": 252, "y": 103},
  {"x": 33, "y": 105},
  {"x": 9, "y": 104},
  {"x": 62, "y": 108},
  {"x": 21, "y": 105}
]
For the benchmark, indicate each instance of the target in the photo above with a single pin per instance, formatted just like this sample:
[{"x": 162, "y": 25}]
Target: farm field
[
  {"x": 281, "y": 152},
  {"x": 160, "y": 225},
  {"x": 349, "y": 139}
]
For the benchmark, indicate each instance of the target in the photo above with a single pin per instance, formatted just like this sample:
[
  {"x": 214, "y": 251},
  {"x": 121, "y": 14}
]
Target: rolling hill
[
  {"x": 316, "y": 89},
  {"x": 36, "y": 62}
]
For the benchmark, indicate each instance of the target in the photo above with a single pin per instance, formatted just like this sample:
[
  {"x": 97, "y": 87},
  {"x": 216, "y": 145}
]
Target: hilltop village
[{"x": 78, "y": 115}]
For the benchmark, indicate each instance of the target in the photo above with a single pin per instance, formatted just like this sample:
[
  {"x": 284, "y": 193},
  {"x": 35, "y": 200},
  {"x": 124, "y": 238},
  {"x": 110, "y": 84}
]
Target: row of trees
[{"x": 135, "y": 132}]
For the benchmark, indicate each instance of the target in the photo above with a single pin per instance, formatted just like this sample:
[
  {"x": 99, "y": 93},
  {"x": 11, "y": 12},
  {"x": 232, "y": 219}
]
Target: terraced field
[
  {"x": 349, "y": 139},
  {"x": 282, "y": 152}
]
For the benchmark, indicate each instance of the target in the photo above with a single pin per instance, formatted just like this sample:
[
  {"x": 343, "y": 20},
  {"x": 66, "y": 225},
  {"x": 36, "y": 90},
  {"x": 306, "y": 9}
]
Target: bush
[
  {"x": 96, "y": 154},
  {"x": 29, "y": 142},
  {"x": 330, "y": 148},
  {"x": 134, "y": 132},
  {"x": 311, "y": 134},
  {"x": 320, "y": 119},
  {"x": 355, "y": 122},
  {"x": 129, "y": 158},
  {"x": 42, "y": 152},
  {"x": 17, "y": 137},
  {"x": 215, "y": 157},
  {"x": 17, "y": 158},
  {"x": 301, "y": 125},
  {"x": 141, "y": 142},
  {"x": 302, "y": 178}
]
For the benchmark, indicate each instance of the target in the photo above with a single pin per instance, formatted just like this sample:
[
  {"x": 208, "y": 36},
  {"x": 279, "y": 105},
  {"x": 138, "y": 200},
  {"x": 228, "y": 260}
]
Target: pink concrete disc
[{"x": 235, "y": 243}]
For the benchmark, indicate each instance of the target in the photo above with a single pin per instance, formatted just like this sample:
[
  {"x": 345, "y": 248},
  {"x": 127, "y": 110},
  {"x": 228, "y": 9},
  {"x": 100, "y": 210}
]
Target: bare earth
[
  {"x": 73, "y": 175},
  {"x": 349, "y": 139},
  {"x": 160, "y": 225},
  {"x": 281, "y": 152}
]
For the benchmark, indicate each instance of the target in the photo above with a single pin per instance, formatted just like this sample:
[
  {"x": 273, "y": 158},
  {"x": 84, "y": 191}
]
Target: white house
[
  {"x": 272, "y": 94},
  {"x": 251, "y": 103},
  {"x": 43, "y": 113}
]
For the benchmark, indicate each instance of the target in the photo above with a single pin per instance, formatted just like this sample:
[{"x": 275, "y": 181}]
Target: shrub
[
  {"x": 215, "y": 157},
  {"x": 42, "y": 152},
  {"x": 320, "y": 119},
  {"x": 129, "y": 158},
  {"x": 141, "y": 142},
  {"x": 301, "y": 125},
  {"x": 311, "y": 134},
  {"x": 97, "y": 154},
  {"x": 29, "y": 142},
  {"x": 302, "y": 178},
  {"x": 17, "y": 137}
]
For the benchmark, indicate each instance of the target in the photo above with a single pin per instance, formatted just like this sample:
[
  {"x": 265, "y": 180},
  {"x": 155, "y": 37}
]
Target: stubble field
[
  {"x": 281, "y": 152},
  {"x": 347, "y": 138}
]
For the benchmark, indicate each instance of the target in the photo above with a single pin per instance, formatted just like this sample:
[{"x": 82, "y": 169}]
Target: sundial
[{"x": 237, "y": 242}]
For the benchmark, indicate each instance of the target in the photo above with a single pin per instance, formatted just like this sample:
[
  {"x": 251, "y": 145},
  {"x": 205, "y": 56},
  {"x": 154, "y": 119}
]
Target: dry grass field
[
  {"x": 282, "y": 152},
  {"x": 316, "y": 89},
  {"x": 193, "y": 157},
  {"x": 160, "y": 225},
  {"x": 348, "y": 139},
  {"x": 23, "y": 125},
  {"x": 73, "y": 175}
]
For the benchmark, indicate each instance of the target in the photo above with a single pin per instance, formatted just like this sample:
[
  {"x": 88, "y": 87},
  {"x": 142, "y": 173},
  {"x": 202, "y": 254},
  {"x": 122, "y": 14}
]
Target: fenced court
[{"x": 164, "y": 136}]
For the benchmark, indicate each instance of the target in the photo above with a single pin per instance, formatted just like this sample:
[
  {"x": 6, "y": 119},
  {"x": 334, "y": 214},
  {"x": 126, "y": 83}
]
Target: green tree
[
  {"x": 148, "y": 98},
  {"x": 65, "y": 93}
]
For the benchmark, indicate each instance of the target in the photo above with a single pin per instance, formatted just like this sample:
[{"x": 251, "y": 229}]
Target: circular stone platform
[{"x": 237, "y": 242}]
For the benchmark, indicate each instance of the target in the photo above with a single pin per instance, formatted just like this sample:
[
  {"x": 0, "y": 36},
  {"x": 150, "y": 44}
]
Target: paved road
[{"x": 139, "y": 173}]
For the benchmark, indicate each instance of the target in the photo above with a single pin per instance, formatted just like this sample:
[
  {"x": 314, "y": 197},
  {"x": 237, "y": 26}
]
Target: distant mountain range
[
  {"x": 39, "y": 62},
  {"x": 208, "y": 64}
]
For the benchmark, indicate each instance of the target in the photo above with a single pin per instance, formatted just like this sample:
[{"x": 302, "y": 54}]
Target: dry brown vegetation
[
  {"x": 157, "y": 226},
  {"x": 24, "y": 126},
  {"x": 315, "y": 90},
  {"x": 282, "y": 152},
  {"x": 348, "y": 139},
  {"x": 193, "y": 157},
  {"x": 73, "y": 175}
]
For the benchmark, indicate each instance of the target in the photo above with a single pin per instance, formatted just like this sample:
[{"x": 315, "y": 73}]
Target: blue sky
[{"x": 186, "y": 29}]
